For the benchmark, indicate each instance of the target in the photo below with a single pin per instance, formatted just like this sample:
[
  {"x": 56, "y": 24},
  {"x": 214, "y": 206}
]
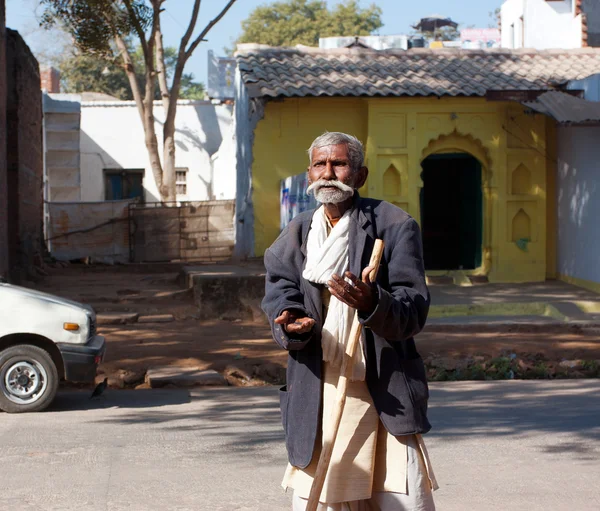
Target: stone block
[
  {"x": 156, "y": 318},
  {"x": 116, "y": 318},
  {"x": 183, "y": 377}
]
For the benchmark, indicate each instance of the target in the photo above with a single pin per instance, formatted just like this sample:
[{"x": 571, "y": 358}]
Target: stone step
[
  {"x": 116, "y": 318},
  {"x": 156, "y": 318}
]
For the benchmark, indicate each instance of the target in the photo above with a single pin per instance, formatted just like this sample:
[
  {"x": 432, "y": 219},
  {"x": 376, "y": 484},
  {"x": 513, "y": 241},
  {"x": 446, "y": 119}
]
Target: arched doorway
[{"x": 452, "y": 211}]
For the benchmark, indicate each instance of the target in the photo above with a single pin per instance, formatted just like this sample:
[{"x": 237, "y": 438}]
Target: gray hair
[{"x": 356, "y": 153}]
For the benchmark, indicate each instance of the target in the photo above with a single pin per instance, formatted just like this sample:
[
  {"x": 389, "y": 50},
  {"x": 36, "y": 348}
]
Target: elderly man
[{"x": 316, "y": 279}]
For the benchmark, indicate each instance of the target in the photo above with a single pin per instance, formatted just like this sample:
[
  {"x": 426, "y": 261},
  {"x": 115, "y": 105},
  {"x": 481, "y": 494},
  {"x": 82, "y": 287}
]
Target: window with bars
[
  {"x": 181, "y": 183},
  {"x": 122, "y": 184}
]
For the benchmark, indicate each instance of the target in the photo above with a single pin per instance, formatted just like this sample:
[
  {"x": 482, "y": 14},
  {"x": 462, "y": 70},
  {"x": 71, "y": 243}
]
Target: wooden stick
[{"x": 330, "y": 435}]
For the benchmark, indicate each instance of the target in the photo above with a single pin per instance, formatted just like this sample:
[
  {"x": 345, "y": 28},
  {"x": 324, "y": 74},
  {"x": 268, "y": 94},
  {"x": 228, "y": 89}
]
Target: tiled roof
[{"x": 304, "y": 71}]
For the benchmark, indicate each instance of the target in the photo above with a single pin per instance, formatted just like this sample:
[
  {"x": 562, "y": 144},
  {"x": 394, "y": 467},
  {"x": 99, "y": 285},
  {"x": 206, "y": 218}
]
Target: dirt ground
[{"x": 223, "y": 345}]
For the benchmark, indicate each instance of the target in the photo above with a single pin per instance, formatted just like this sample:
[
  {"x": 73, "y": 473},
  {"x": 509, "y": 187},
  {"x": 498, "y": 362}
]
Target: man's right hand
[{"x": 293, "y": 323}]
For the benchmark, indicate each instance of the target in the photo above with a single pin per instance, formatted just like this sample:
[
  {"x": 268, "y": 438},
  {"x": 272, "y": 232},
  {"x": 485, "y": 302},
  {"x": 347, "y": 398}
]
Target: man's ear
[{"x": 361, "y": 177}]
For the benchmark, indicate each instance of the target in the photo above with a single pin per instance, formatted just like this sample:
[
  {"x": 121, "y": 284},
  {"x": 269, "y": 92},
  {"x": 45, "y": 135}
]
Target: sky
[{"x": 398, "y": 16}]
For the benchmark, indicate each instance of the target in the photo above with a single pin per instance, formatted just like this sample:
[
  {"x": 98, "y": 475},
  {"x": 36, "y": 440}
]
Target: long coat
[{"x": 395, "y": 373}]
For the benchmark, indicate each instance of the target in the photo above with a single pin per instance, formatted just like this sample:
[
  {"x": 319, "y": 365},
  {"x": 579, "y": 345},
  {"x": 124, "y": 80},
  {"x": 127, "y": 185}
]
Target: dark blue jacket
[{"x": 395, "y": 373}]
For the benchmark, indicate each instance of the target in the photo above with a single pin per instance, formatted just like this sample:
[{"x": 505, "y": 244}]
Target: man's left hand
[{"x": 356, "y": 293}]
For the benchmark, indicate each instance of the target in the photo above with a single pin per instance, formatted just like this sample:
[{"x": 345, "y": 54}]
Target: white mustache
[{"x": 324, "y": 182}]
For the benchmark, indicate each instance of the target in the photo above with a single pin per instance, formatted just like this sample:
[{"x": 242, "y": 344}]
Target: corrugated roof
[
  {"x": 565, "y": 108},
  {"x": 305, "y": 71}
]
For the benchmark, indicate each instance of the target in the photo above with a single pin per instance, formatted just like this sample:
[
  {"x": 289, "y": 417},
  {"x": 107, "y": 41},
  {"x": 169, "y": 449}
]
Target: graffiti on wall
[{"x": 294, "y": 199}]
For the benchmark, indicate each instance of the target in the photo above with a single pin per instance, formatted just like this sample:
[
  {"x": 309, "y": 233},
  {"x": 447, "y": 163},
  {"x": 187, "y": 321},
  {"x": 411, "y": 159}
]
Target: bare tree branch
[
  {"x": 206, "y": 30},
  {"x": 130, "y": 72},
  {"x": 145, "y": 104},
  {"x": 149, "y": 58},
  {"x": 162, "y": 70},
  {"x": 190, "y": 30},
  {"x": 138, "y": 28}
]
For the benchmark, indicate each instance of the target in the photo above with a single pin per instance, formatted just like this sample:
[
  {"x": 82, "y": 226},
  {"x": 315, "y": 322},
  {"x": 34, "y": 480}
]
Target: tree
[
  {"x": 93, "y": 73},
  {"x": 495, "y": 18},
  {"x": 304, "y": 21},
  {"x": 98, "y": 27},
  {"x": 443, "y": 34}
]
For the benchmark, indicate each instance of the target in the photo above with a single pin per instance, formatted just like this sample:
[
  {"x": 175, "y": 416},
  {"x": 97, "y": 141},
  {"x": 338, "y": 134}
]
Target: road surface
[{"x": 507, "y": 445}]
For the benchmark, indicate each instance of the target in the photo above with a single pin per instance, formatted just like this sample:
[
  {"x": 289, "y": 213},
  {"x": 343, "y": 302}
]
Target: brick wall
[
  {"x": 50, "y": 79},
  {"x": 23, "y": 157},
  {"x": 3, "y": 177}
]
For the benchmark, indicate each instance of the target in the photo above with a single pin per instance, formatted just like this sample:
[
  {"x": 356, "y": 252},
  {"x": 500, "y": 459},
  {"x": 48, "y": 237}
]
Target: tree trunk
[
  {"x": 169, "y": 174},
  {"x": 158, "y": 171},
  {"x": 145, "y": 109}
]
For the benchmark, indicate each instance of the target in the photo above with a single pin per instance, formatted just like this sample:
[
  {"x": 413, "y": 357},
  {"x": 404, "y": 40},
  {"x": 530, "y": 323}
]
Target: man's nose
[{"x": 328, "y": 172}]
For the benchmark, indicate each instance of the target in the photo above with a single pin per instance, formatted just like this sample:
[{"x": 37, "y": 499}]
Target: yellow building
[{"x": 446, "y": 138}]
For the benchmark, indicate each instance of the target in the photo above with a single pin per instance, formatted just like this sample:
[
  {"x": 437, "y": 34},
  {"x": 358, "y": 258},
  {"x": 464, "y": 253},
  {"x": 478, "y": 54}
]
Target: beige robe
[{"x": 365, "y": 459}]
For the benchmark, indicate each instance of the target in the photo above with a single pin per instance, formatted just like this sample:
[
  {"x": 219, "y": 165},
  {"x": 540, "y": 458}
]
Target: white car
[{"x": 43, "y": 339}]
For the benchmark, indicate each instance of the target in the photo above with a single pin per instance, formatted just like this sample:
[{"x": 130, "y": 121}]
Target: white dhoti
[
  {"x": 418, "y": 497},
  {"x": 369, "y": 466}
]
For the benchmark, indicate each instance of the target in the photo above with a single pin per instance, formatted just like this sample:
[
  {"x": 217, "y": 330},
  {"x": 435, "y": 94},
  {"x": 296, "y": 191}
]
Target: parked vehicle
[{"x": 43, "y": 339}]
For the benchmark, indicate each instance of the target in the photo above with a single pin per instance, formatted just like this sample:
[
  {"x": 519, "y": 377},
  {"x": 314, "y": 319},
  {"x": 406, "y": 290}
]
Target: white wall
[
  {"x": 112, "y": 137},
  {"x": 510, "y": 12},
  {"x": 578, "y": 196},
  {"x": 547, "y": 24}
]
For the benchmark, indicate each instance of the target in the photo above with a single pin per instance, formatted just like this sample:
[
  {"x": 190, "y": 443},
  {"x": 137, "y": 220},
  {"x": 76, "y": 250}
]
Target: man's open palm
[{"x": 294, "y": 323}]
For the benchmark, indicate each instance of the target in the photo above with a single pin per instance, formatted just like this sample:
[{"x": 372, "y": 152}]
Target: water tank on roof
[
  {"x": 416, "y": 42},
  {"x": 376, "y": 42}
]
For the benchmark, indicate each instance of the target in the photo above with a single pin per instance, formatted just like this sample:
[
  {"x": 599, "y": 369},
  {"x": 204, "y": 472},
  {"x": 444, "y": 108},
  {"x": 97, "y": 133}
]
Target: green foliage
[
  {"x": 443, "y": 34},
  {"x": 94, "y": 73},
  {"x": 83, "y": 73},
  {"x": 93, "y": 24},
  {"x": 191, "y": 89},
  {"x": 304, "y": 21},
  {"x": 495, "y": 18},
  {"x": 592, "y": 366}
]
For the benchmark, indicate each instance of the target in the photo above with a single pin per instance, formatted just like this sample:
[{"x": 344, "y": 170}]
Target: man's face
[{"x": 330, "y": 166}]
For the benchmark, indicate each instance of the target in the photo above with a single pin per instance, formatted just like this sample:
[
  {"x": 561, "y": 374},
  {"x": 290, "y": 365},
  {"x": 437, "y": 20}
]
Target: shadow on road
[
  {"x": 467, "y": 410},
  {"x": 80, "y": 400},
  {"x": 242, "y": 418},
  {"x": 248, "y": 418}
]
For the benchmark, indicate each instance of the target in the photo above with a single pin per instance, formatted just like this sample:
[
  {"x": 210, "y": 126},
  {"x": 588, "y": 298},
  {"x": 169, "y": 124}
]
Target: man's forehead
[{"x": 331, "y": 151}]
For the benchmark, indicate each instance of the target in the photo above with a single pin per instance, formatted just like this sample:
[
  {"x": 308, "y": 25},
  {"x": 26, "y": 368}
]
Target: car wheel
[{"x": 28, "y": 379}]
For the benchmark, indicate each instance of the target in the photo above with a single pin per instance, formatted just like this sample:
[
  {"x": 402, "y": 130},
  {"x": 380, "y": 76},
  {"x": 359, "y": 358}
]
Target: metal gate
[{"x": 181, "y": 231}]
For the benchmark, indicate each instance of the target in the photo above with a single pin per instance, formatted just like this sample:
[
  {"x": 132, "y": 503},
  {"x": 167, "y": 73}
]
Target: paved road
[{"x": 516, "y": 445}]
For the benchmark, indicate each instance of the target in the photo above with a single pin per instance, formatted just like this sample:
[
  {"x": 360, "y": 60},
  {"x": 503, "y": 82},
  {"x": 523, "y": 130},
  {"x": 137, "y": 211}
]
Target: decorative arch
[
  {"x": 521, "y": 180},
  {"x": 392, "y": 182},
  {"x": 456, "y": 142}
]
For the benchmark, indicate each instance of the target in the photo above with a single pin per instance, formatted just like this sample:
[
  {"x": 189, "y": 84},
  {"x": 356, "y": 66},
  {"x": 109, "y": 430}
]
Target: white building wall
[
  {"x": 578, "y": 196},
  {"x": 510, "y": 14},
  {"x": 62, "y": 179},
  {"x": 112, "y": 137},
  {"x": 540, "y": 24}
]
